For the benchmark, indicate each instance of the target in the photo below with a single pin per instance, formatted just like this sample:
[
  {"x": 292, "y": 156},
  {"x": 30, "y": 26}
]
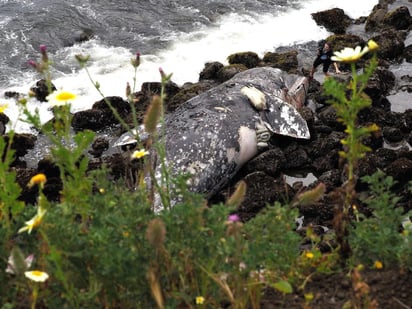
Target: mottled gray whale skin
[{"x": 212, "y": 135}]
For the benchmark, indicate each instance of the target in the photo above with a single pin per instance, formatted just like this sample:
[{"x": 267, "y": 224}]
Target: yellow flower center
[
  {"x": 200, "y": 300},
  {"x": 65, "y": 96},
  {"x": 378, "y": 265},
  {"x": 37, "y": 179},
  {"x": 37, "y": 273},
  {"x": 309, "y": 255},
  {"x": 3, "y": 107},
  {"x": 139, "y": 154}
]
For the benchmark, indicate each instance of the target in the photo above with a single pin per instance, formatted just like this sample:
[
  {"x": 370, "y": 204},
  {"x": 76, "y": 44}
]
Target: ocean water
[{"x": 177, "y": 36}]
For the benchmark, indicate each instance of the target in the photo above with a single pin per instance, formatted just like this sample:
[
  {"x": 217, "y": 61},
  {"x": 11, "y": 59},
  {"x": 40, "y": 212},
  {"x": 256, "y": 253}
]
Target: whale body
[{"x": 212, "y": 135}]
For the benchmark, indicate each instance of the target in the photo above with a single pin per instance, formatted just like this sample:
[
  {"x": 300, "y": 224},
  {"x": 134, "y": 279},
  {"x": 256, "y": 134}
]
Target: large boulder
[
  {"x": 399, "y": 18},
  {"x": 41, "y": 90},
  {"x": 101, "y": 115},
  {"x": 287, "y": 61},
  {"x": 391, "y": 44},
  {"x": 380, "y": 18},
  {"x": 248, "y": 59},
  {"x": 210, "y": 71},
  {"x": 334, "y": 20}
]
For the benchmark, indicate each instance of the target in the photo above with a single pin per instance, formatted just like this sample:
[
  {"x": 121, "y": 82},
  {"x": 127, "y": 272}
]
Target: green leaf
[{"x": 283, "y": 286}]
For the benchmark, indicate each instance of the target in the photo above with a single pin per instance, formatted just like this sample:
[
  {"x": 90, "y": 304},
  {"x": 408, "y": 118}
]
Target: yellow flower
[
  {"x": 378, "y": 265},
  {"x": 139, "y": 154},
  {"x": 309, "y": 255},
  {"x": 33, "y": 222},
  {"x": 309, "y": 297},
  {"x": 350, "y": 55},
  {"x": 372, "y": 45},
  {"x": 38, "y": 179},
  {"x": 3, "y": 107},
  {"x": 37, "y": 275},
  {"x": 200, "y": 300},
  {"x": 60, "y": 97}
]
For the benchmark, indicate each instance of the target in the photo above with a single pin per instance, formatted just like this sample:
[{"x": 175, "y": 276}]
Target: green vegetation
[{"x": 102, "y": 246}]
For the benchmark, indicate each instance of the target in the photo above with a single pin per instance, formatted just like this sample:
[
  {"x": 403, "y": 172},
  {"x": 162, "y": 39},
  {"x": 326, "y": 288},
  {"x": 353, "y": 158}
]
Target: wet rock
[
  {"x": 374, "y": 141},
  {"x": 334, "y": 20},
  {"x": 83, "y": 35},
  {"x": 248, "y": 59},
  {"x": 99, "y": 145},
  {"x": 324, "y": 145},
  {"x": 287, "y": 61},
  {"x": 370, "y": 164},
  {"x": 228, "y": 71},
  {"x": 121, "y": 106},
  {"x": 392, "y": 135},
  {"x": 409, "y": 139},
  {"x": 54, "y": 184},
  {"x": 271, "y": 162},
  {"x": 400, "y": 170},
  {"x": 407, "y": 53},
  {"x": 23, "y": 176},
  {"x": 41, "y": 90},
  {"x": 154, "y": 88},
  {"x": 375, "y": 19},
  {"x": 210, "y": 71},
  {"x": 4, "y": 119},
  {"x": 12, "y": 95},
  {"x": 407, "y": 121},
  {"x": 379, "y": 116},
  {"x": 331, "y": 178},
  {"x": 380, "y": 83},
  {"x": 296, "y": 157},
  {"x": 258, "y": 195},
  {"x": 399, "y": 18},
  {"x": 328, "y": 161},
  {"x": 101, "y": 115},
  {"x": 340, "y": 41},
  {"x": 391, "y": 44},
  {"x": 387, "y": 155},
  {"x": 187, "y": 92},
  {"x": 92, "y": 119},
  {"x": 21, "y": 144},
  {"x": 328, "y": 117}
]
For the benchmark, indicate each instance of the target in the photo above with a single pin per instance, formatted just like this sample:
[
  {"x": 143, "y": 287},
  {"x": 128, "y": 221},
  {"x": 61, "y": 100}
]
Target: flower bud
[
  {"x": 128, "y": 90},
  {"x": 82, "y": 60},
  {"x": 33, "y": 64},
  {"x": 43, "y": 50},
  {"x": 136, "y": 61},
  {"x": 156, "y": 232}
]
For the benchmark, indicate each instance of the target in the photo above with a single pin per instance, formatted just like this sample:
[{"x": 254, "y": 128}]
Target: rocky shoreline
[{"x": 389, "y": 25}]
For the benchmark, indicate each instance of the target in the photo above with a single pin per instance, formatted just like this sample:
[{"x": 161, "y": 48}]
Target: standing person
[{"x": 325, "y": 53}]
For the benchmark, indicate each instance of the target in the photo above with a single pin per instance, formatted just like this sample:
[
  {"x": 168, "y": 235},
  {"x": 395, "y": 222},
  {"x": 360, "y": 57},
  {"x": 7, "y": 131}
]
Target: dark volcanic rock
[
  {"x": 287, "y": 61},
  {"x": 21, "y": 144},
  {"x": 400, "y": 170},
  {"x": 101, "y": 115},
  {"x": 391, "y": 44},
  {"x": 228, "y": 71},
  {"x": 271, "y": 162},
  {"x": 99, "y": 145},
  {"x": 210, "y": 71},
  {"x": 334, "y": 20},
  {"x": 41, "y": 90},
  {"x": 258, "y": 195},
  {"x": 407, "y": 53},
  {"x": 400, "y": 18},
  {"x": 248, "y": 59}
]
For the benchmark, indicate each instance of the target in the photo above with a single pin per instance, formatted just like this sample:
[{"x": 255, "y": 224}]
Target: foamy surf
[{"x": 185, "y": 56}]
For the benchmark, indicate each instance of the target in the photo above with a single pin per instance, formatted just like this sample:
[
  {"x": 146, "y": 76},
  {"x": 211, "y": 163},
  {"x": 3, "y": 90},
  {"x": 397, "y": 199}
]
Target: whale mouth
[{"x": 297, "y": 93}]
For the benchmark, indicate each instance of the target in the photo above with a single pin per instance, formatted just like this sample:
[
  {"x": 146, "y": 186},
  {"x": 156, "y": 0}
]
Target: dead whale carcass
[{"x": 212, "y": 135}]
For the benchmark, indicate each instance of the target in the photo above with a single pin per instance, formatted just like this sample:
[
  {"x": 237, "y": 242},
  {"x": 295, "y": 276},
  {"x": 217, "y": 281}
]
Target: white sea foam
[{"x": 185, "y": 57}]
